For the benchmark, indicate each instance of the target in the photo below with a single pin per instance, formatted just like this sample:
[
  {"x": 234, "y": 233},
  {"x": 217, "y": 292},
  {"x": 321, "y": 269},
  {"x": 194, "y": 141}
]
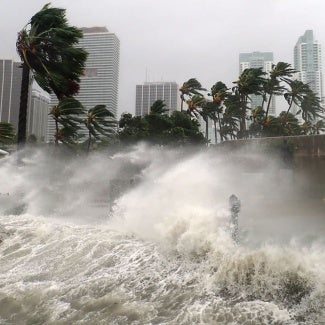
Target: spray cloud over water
[{"x": 143, "y": 236}]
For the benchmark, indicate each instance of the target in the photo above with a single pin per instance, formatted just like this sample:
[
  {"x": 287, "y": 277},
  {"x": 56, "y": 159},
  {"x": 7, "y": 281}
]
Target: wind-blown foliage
[
  {"x": 47, "y": 48},
  {"x": 177, "y": 129},
  {"x": 100, "y": 123},
  {"x": 67, "y": 113},
  {"x": 158, "y": 107},
  {"x": 250, "y": 82},
  {"x": 190, "y": 88},
  {"x": 281, "y": 71}
]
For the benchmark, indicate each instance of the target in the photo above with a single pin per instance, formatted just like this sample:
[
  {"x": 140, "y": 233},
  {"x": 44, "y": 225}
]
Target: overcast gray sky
[{"x": 174, "y": 40}]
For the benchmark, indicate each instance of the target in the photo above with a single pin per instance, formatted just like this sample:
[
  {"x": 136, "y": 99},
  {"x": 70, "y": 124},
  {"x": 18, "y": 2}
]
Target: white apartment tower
[
  {"x": 99, "y": 84},
  {"x": 256, "y": 60},
  {"x": 149, "y": 92},
  {"x": 308, "y": 62}
]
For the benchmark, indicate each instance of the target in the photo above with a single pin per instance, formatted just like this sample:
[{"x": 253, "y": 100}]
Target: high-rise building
[
  {"x": 10, "y": 85},
  {"x": 38, "y": 113},
  {"x": 256, "y": 60},
  {"x": 149, "y": 92},
  {"x": 38, "y": 101},
  {"x": 308, "y": 62},
  {"x": 99, "y": 84}
]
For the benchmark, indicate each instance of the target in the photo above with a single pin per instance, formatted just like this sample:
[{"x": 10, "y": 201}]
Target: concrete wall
[{"x": 305, "y": 155}]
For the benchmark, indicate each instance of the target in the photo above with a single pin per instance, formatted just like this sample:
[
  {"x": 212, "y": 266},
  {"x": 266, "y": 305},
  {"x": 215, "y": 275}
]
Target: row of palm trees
[{"x": 230, "y": 110}]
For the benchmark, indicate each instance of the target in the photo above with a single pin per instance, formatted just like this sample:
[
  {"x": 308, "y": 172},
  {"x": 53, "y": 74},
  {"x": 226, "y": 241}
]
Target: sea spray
[{"x": 160, "y": 251}]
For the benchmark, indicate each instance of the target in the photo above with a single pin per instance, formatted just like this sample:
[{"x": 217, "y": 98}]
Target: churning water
[{"x": 143, "y": 237}]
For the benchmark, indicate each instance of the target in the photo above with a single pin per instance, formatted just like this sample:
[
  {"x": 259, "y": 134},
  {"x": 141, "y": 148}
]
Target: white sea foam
[{"x": 161, "y": 253}]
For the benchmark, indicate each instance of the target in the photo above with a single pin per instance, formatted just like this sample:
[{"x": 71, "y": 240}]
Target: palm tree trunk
[
  {"x": 243, "y": 117},
  {"x": 268, "y": 107},
  {"x": 220, "y": 130},
  {"x": 22, "y": 123},
  {"x": 89, "y": 140},
  {"x": 207, "y": 129},
  {"x": 287, "y": 113},
  {"x": 56, "y": 133},
  {"x": 215, "y": 131}
]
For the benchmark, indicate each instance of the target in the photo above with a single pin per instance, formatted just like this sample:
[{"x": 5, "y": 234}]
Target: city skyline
[{"x": 160, "y": 42}]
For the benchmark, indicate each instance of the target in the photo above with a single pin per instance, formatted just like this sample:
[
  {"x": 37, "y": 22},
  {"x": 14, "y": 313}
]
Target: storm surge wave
[{"x": 144, "y": 237}]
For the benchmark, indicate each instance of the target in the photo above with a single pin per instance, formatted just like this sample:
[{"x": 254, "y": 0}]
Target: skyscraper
[
  {"x": 38, "y": 113},
  {"x": 10, "y": 84},
  {"x": 256, "y": 60},
  {"x": 149, "y": 92},
  {"x": 308, "y": 61},
  {"x": 99, "y": 84}
]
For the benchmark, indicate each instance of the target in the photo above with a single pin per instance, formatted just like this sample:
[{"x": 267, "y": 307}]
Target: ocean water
[{"x": 144, "y": 237}]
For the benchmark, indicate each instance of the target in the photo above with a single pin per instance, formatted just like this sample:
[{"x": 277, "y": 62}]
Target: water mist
[{"x": 144, "y": 236}]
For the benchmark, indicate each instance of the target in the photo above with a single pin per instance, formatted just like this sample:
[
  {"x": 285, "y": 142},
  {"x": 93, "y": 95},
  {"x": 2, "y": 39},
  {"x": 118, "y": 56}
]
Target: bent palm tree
[
  {"x": 280, "y": 72},
  {"x": 66, "y": 113},
  {"x": 219, "y": 93},
  {"x": 311, "y": 107},
  {"x": 46, "y": 46},
  {"x": 189, "y": 88},
  {"x": 250, "y": 82},
  {"x": 158, "y": 107},
  {"x": 99, "y": 122},
  {"x": 295, "y": 95}
]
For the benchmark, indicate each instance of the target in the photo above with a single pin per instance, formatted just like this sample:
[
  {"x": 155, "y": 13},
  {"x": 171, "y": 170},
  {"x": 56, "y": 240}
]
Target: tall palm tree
[
  {"x": 250, "y": 82},
  {"x": 46, "y": 46},
  {"x": 66, "y": 113},
  {"x": 100, "y": 122},
  {"x": 218, "y": 93},
  {"x": 295, "y": 94},
  {"x": 282, "y": 71},
  {"x": 189, "y": 88},
  {"x": 311, "y": 107}
]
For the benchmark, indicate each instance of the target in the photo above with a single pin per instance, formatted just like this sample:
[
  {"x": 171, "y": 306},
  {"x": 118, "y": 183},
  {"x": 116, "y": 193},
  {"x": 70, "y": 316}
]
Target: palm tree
[
  {"x": 218, "y": 93},
  {"x": 189, "y": 88},
  {"x": 194, "y": 103},
  {"x": 158, "y": 107},
  {"x": 295, "y": 95},
  {"x": 206, "y": 114},
  {"x": 46, "y": 46},
  {"x": 7, "y": 133},
  {"x": 282, "y": 71},
  {"x": 258, "y": 119},
  {"x": 66, "y": 113},
  {"x": 250, "y": 82},
  {"x": 99, "y": 122},
  {"x": 311, "y": 107}
]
